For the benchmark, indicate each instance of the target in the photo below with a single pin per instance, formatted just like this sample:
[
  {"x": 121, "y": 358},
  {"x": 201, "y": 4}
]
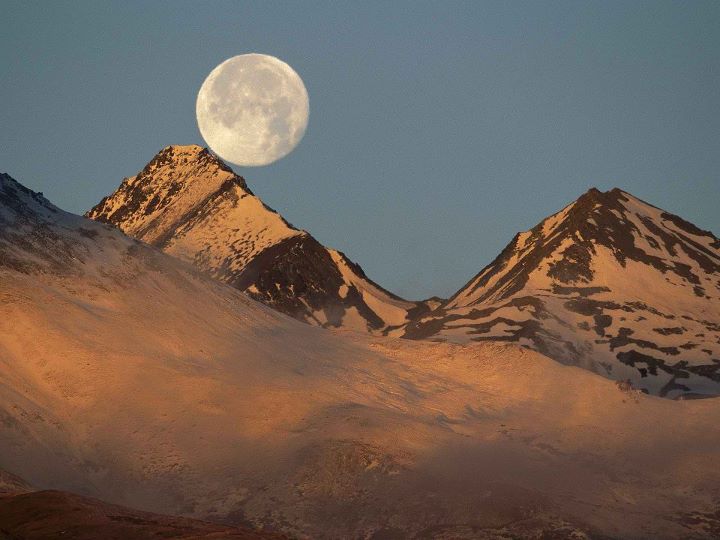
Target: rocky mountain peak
[
  {"x": 174, "y": 156},
  {"x": 568, "y": 247},
  {"x": 610, "y": 283},
  {"x": 594, "y": 213},
  {"x": 189, "y": 203},
  {"x": 173, "y": 186}
]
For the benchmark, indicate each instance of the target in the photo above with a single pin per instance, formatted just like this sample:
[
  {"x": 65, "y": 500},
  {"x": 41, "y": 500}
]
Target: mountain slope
[
  {"x": 128, "y": 376},
  {"x": 609, "y": 283},
  {"x": 190, "y": 204},
  {"x": 50, "y": 514}
]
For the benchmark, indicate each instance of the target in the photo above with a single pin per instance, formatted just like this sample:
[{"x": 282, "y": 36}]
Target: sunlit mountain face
[
  {"x": 137, "y": 379},
  {"x": 610, "y": 283},
  {"x": 190, "y": 204}
]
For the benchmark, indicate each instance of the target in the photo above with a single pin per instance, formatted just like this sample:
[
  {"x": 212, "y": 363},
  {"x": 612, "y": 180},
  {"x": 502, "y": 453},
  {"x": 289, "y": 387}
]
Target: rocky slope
[
  {"x": 187, "y": 202},
  {"x": 609, "y": 283},
  {"x": 129, "y": 376}
]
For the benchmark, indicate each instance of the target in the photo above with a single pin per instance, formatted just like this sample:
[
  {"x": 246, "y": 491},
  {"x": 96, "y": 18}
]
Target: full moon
[{"x": 252, "y": 109}]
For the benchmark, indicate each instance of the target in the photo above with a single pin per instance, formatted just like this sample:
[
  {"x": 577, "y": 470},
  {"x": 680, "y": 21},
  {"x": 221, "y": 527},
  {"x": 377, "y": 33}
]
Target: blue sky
[{"x": 437, "y": 129}]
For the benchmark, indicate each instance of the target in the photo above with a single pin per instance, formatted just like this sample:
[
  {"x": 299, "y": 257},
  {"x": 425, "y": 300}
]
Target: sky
[{"x": 437, "y": 129}]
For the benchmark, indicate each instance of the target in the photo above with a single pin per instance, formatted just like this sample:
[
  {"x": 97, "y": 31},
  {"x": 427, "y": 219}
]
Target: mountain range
[
  {"x": 610, "y": 283},
  {"x": 138, "y": 383},
  {"x": 190, "y": 204}
]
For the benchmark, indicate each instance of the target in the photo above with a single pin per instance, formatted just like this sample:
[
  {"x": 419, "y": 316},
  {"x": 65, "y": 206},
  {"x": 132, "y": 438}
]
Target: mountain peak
[
  {"x": 17, "y": 198},
  {"x": 174, "y": 184},
  {"x": 180, "y": 152},
  {"x": 184, "y": 148},
  {"x": 568, "y": 244},
  {"x": 610, "y": 197},
  {"x": 175, "y": 156},
  {"x": 190, "y": 204},
  {"x": 609, "y": 282},
  {"x": 9, "y": 183},
  {"x": 592, "y": 192}
]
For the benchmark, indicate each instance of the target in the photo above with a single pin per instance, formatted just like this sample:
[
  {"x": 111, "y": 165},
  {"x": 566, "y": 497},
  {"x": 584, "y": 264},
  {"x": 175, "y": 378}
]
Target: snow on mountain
[
  {"x": 609, "y": 283},
  {"x": 189, "y": 203},
  {"x": 130, "y": 376}
]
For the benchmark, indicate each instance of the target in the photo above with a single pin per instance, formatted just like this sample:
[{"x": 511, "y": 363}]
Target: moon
[{"x": 252, "y": 109}]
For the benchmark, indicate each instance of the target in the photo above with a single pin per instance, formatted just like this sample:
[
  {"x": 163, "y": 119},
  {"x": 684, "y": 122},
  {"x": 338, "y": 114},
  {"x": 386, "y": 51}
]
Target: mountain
[
  {"x": 129, "y": 376},
  {"x": 189, "y": 203},
  {"x": 610, "y": 283}
]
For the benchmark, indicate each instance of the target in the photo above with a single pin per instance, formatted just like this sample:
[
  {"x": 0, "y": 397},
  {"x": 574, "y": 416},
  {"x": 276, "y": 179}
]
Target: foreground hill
[
  {"x": 190, "y": 204},
  {"x": 128, "y": 376},
  {"x": 50, "y": 514},
  {"x": 609, "y": 283}
]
